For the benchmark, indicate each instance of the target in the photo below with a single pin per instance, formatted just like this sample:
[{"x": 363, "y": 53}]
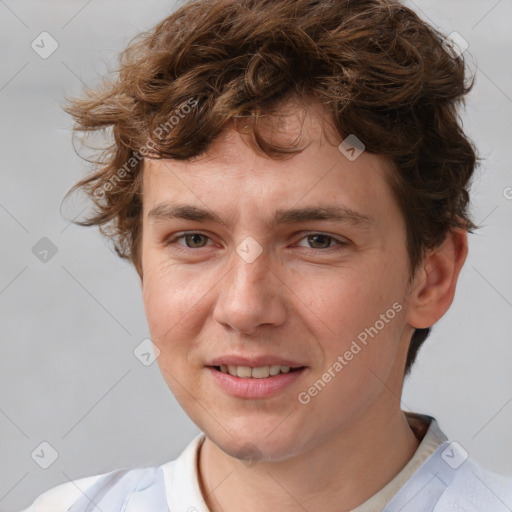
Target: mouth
[
  {"x": 262, "y": 382},
  {"x": 261, "y": 372}
]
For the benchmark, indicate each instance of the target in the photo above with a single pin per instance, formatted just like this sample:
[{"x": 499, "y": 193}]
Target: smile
[
  {"x": 260, "y": 372},
  {"x": 265, "y": 386}
]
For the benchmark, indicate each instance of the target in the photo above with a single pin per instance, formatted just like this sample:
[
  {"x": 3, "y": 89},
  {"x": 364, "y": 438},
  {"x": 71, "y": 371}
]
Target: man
[{"x": 261, "y": 131}]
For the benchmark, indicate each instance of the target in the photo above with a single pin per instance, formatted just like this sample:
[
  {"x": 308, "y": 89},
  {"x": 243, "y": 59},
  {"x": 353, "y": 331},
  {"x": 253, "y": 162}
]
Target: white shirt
[{"x": 439, "y": 478}]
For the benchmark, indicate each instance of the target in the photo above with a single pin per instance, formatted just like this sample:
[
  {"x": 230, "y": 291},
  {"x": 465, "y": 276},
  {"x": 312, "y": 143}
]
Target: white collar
[{"x": 182, "y": 478}]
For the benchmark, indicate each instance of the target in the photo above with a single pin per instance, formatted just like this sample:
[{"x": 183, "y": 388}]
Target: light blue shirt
[{"x": 447, "y": 481}]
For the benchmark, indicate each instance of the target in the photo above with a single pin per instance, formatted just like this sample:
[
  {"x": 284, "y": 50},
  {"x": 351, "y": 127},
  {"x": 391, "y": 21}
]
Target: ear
[{"x": 434, "y": 284}]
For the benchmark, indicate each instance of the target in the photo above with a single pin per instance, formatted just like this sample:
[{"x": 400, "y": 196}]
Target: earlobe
[{"x": 434, "y": 288}]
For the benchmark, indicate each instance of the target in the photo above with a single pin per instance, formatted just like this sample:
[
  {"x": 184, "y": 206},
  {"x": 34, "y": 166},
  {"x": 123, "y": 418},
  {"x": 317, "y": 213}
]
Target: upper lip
[{"x": 254, "y": 362}]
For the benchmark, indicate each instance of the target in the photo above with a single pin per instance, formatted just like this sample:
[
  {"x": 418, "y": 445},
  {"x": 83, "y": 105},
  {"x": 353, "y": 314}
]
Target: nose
[{"x": 251, "y": 295}]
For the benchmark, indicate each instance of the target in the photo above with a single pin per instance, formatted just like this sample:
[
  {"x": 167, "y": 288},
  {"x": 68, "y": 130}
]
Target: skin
[{"x": 302, "y": 297}]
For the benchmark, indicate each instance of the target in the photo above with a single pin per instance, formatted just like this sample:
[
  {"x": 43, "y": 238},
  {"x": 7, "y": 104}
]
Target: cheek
[
  {"x": 168, "y": 307},
  {"x": 358, "y": 361},
  {"x": 169, "y": 298},
  {"x": 356, "y": 302},
  {"x": 176, "y": 305},
  {"x": 364, "y": 313}
]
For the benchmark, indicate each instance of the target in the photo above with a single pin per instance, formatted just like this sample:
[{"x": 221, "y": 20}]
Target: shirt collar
[
  {"x": 427, "y": 430},
  {"x": 182, "y": 477}
]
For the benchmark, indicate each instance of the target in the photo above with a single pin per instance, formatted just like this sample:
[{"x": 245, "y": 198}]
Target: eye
[
  {"x": 194, "y": 237},
  {"x": 322, "y": 239},
  {"x": 193, "y": 241}
]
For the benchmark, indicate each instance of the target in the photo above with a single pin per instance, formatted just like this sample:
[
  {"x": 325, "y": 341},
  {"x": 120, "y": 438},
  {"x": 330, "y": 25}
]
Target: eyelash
[{"x": 180, "y": 248}]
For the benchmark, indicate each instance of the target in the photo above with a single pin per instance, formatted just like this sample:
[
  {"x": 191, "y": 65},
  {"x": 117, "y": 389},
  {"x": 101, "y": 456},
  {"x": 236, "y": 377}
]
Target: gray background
[{"x": 69, "y": 326}]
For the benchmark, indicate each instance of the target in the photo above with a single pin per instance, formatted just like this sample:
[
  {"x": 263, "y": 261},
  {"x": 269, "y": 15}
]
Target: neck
[{"x": 337, "y": 475}]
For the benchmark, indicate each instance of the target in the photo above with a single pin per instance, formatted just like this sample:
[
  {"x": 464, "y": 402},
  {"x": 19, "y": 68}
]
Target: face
[{"x": 325, "y": 294}]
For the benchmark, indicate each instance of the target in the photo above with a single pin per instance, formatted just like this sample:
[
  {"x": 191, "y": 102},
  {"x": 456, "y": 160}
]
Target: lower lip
[{"x": 254, "y": 388}]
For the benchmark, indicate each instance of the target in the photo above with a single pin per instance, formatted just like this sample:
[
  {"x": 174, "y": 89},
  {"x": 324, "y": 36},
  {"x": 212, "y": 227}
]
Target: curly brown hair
[{"x": 378, "y": 69}]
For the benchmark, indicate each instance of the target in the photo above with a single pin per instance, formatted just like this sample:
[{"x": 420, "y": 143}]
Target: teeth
[
  {"x": 275, "y": 369},
  {"x": 261, "y": 372},
  {"x": 243, "y": 371}
]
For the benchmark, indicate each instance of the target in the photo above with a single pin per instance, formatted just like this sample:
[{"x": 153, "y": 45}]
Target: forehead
[{"x": 231, "y": 175}]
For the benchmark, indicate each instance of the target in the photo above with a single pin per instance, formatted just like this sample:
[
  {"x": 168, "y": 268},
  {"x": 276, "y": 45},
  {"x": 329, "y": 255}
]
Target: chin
[{"x": 252, "y": 446}]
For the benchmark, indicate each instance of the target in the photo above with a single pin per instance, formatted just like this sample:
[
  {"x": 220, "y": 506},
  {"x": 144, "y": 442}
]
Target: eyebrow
[{"x": 167, "y": 211}]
